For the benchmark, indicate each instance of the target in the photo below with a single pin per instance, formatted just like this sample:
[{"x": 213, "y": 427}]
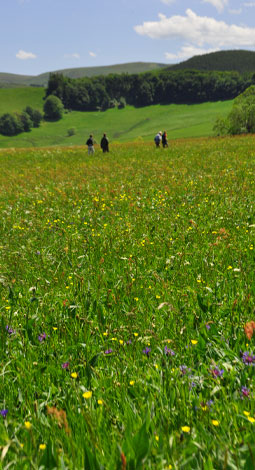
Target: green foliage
[
  {"x": 26, "y": 121},
  {"x": 10, "y": 124},
  {"x": 71, "y": 131},
  {"x": 241, "y": 119},
  {"x": 53, "y": 108},
  {"x": 35, "y": 115}
]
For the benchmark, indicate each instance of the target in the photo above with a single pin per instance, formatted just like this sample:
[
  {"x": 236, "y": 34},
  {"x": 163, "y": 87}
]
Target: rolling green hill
[
  {"x": 238, "y": 60},
  {"x": 128, "y": 124},
  {"x": 10, "y": 80}
]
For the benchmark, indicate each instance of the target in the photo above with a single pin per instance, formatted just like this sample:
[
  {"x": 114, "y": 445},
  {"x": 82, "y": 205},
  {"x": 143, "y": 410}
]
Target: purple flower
[
  {"x": 9, "y": 330},
  {"x": 184, "y": 369},
  {"x": 248, "y": 358},
  {"x": 169, "y": 352},
  {"x": 42, "y": 337},
  {"x": 147, "y": 351},
  {"x": 207, "y": 326},
  {"x": 129, "y": 341},
  {"x": 216, "y": 372},
  {"x": 108, "y": 351},
  {"x": 245, "y": 392},
  {"x": 4, "y": 413},
  {"x": 65, "y": 365}
]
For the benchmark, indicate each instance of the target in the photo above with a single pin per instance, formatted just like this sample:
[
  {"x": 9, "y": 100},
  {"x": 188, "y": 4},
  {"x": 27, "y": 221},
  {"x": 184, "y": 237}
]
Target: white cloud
[
  {"x": 92, "y": 54},
  {"x": 168, "y": 2},
  {"x": 75, "y": 55},
  {"x": 199, "y": 31},
  {"x": 25, "y": 55},
  {"x": 218, "y": 4},
  {"x": 188, "y": 51}
]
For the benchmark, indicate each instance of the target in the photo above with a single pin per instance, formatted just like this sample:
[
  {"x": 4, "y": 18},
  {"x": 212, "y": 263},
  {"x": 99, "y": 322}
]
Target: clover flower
[
  {"x": 65, "y": 365},
  {"x": 169, "y": 352},
  {"x": 147, "y": 351},
  {"x": 42, "y": 337},
  {"x": 108, "y": 351},
  {"x": 248, "y": 358},
  {"x": 245, "y": 392},
  {"x": 216, "y": 372}
]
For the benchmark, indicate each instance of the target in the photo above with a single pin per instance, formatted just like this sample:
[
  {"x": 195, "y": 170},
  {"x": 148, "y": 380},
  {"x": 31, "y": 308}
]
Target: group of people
[
  {"x": 161, "y": 138},
  {"x": 104, "y": 144}
]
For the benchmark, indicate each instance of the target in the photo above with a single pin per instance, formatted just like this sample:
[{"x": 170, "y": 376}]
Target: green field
[
  {"x": 126, "y": 282},
  {"x": 129, "y": 124}
]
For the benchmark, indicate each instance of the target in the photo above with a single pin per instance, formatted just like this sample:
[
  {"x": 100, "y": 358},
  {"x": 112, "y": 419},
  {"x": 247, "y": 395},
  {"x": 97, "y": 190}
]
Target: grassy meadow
[
  {"x": 125, "y": 125},
  {"x": 126, "y": 281}
]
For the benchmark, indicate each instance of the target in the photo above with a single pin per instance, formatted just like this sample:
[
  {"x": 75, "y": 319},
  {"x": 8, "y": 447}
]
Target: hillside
[
  {"x": 237, "y": 60},
  {"x": 11, "y": 80},
  {"x": 125, "y": 125},
  {"x": 16, "y": 99}
]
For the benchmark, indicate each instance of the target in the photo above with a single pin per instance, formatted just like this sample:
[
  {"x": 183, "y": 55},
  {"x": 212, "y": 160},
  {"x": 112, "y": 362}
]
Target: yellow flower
[
  {"x": 28, "y": 425},
  {"x": 74, "y": 375},
  {"x": 251, "y": 419},
  {"x": 100, "y": 402},
  {"x": 105, "y": 333},
  {"x": 215, "y": 422},
  {"x": 169, "y": 467},
  {"x": 42, "y": 446},
  {"x": 246, "y": 413},
  {"x": 54, "y": 328},
  {"x": 157, "y": 438},
  {"x": 132, "y": 382},
  {"x": 135, "y": 334},
  {"x": 194, "y": 341},
  {"x": 121, "y": 341},
  {"x": 87, "y": 395},
  {"x": 229, "y": 267},
  {"x": 185, "y": 428}
]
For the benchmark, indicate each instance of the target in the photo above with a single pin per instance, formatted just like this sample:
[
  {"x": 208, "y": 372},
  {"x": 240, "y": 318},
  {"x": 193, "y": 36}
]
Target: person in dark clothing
[
  {"x": 105, "y": 144},
  {"x": 90, "y": 144},
  {"x": 164, "y": 140}
]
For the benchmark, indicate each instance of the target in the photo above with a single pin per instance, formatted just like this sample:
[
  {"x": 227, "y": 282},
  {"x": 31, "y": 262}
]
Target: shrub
[
  {"x": 71, "y": 131},
  {"x": 25, "y": 121},
  {"x": 53, "y": 108},
  {"x": 35, "y": 115},
  {"x": 10, "y": 124}
]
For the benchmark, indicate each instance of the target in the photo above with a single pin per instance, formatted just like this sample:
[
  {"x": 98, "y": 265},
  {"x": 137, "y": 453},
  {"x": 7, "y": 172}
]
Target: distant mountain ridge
[
  {"x": 241, "y": 61},
  {"x": 14, "y": 80}
]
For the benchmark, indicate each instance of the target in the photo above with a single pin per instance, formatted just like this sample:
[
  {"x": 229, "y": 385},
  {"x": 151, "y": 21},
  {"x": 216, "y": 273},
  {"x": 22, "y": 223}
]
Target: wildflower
[
  {"x": 42, "y": 446},
  {"x": 108, "y": 351},
  {"x": 252, "y": 420},
  {"x": 4, "y": 412},
  {"x": 245, "y": 392},
  {"x": 157, "y": 438},
  {"x": 184, "y": 369},
  {"x": 147, "y": 351},
  {"x": 74, "y": 375},
  {"x": 169, "y": 352},
  {"x": 9, "y": 330},
  {"x": 100, "y": 402},
  {"x": 216, "y": 372},
  {"x": 246, "y": 413},
  {"x": 136, "y": 334},
  {"x": 248, "y": 358},
  {"x": 42, "y": 337},
  {"x": 65, "y": 365},
  {"x": 185, "y": 429},
  {"x": 207, "y": 326},
  {"x": 215, "y": 422},
  {"x": 27, "y": 425},
  {"x": 87, "y": 395},
  {"x": 129, "y": 341},
  {"x": 194, "y": 341},
  {"x": 132, "y": 382}
]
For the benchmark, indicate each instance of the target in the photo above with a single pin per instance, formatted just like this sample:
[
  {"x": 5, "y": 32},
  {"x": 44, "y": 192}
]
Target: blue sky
[{"x": 37, "y": 36}]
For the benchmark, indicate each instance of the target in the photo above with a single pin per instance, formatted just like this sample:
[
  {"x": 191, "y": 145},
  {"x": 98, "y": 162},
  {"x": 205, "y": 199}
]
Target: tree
[
  {"x": 241, "y": 119},
  {"x": 25, "y": 121},
  {"x": 10, "y": 125},
  {"x": 35, "y": 115},
  {"x": 53, "y": 108}
]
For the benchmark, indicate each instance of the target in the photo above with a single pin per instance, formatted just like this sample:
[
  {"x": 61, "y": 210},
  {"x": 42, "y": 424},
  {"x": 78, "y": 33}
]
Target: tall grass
[{"x": 126, "y": 281}]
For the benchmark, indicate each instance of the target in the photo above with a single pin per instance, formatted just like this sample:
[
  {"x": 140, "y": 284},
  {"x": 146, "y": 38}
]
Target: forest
[{"x": 160, "y": 87}]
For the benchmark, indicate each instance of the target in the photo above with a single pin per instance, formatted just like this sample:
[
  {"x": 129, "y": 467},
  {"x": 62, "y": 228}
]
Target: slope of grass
[
  {"x": 16, "y": 99},
  {"x": 125, "y": 125}
]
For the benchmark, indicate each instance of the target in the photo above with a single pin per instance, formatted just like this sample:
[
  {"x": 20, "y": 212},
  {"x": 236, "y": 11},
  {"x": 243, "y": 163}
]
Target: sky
[{"x": 39, "y": 36}]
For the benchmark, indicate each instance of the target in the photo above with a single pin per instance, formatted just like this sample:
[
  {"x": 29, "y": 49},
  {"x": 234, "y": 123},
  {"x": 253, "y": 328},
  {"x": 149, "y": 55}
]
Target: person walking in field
[
  {"x": 164, "y": 140},
  {"x": 158, "y": 138},
  {"x": 90, "y": 144},
  {"x": 104, "y": 143}
]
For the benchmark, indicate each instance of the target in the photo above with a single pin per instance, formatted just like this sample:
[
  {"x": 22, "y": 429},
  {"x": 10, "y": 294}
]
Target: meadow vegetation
[{"x": 126, "y": 283}]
